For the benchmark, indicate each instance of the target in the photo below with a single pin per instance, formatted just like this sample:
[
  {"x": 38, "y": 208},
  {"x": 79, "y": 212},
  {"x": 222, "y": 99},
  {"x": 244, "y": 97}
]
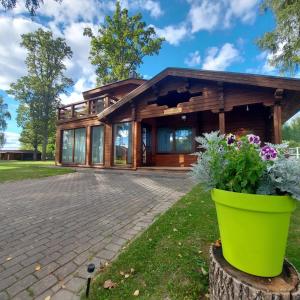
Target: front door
[{"x": 146, "y": 145}]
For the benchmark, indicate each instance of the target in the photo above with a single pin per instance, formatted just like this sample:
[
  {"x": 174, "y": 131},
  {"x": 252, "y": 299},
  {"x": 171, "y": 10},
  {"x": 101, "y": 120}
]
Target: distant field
[{"x": 17, "y": 170}]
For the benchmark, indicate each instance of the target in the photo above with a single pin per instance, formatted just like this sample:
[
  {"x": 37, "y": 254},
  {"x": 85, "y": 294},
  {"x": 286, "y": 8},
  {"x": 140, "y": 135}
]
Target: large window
[
  {"x": 178, "y": 140},
  {"x": 73, "y": 146},
  {"x": 97, "y": 144},
  {"x": 122, "y": 143},
  {"x": 67, "y": 146}
]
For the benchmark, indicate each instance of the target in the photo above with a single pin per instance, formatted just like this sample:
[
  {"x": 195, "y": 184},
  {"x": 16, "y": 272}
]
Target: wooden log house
[{"x": 137, "y": 123}]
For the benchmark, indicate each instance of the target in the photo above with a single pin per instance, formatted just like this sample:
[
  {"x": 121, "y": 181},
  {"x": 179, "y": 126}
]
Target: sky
[{"x": 200, "y": 34}]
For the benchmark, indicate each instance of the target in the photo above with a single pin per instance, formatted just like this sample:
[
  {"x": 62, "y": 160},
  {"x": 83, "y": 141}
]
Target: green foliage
[
  {"x": 4, "y": 116},
  {"x": 284, "y": 41},
  {"x": 31, "y": 5},
  {"x": 235, "y": 167},
  {"x": 39, "y": 91},
  {"x": 291, "y": 132},
  {"x": 120, "y": 46}
]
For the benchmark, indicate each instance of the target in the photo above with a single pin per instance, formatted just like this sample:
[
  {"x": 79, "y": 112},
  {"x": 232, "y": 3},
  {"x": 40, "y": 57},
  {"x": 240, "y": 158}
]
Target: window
[
  {"x": 97, "y": 144},
  {"x": 67, "y": 146},
  {"x": 79, "y": 151},
  {"x": 122, "y": 143},
  {"x": 73, "y": 146},
  {"x": 174, "y": 140}
]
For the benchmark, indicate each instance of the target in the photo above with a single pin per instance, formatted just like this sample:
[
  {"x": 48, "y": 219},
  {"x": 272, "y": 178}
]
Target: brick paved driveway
[{"x": 61, "y": 223}]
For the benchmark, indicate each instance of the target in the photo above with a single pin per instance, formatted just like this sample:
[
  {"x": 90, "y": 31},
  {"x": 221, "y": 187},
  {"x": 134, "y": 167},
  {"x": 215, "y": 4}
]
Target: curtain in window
[
  {"x": 164, "y": 140},
  {"x": 80, "y": 141},
  {"x": 67, "y": 146},
  {"x": 122, "y": 143},
  {"x": 97, "y": 144},
  {"x": 184, "y": 140}
]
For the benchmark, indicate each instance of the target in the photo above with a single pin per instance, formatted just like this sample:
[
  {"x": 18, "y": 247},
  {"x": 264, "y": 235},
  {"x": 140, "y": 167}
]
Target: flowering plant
[{"x": 244, "y": 165}]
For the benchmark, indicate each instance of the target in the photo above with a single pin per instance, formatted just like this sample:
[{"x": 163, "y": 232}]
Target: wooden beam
[
  {"x": 137, "y": 146},
  {"x": 221, "y": 95},
  {"x": 108, "y": 145},
  {"x": 58, "y": 146},
  {"x": 222, "y": 122},
  {"x": 88, "y": 153},
  {"x": 277, "y": 123}
]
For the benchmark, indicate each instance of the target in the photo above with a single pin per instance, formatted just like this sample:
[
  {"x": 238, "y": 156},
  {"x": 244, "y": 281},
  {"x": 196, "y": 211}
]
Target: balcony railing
[
  {"x": 295, "y": 152},
  {"x": 84, "y": 108}
]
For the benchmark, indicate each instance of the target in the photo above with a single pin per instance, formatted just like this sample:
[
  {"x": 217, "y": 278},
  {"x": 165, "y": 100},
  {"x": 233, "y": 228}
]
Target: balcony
[{"x": 83, "y": 109}]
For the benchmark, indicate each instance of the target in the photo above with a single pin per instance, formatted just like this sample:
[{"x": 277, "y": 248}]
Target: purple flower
[
  {"x": 230, "y": 139},
  {"x": 253, "y": 139},
  {"x": 268, "y": 153}
]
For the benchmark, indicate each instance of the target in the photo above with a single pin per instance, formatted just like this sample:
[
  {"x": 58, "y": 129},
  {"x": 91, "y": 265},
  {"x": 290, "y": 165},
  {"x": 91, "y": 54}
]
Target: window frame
[
  {"x": 73, "y": 148},
  {"x": 113, "y": 145},
  {"x": 174, "y": 129},
  {"x": 91, "y": 146}
]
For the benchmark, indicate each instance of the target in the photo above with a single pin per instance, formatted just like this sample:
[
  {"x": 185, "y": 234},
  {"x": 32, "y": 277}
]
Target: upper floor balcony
[{"x": 85, "y": 108}]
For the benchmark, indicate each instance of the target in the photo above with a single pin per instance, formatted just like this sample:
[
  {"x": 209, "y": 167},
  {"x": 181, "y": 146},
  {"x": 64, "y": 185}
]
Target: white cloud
[
  {"x": 244, "y": 10},
  {"x": 219, "y": 14},
  {"x": 220, "y": 59},
  {"x": 12, "y": 140},
  {"x": 173, "y": 34},
  {"x": 82, "y": 84},
  {"x": 193, "y": 59},
  {"x": 151, "y": 6},
  {"x": 205, "y": 15},
  {"x": 12, "y": 55}
]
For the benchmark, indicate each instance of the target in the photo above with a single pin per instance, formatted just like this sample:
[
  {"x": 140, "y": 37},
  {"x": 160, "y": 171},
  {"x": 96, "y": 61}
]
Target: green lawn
[
  {"x": 17, "y": 170},
  {"x": 170, "y": 258}
]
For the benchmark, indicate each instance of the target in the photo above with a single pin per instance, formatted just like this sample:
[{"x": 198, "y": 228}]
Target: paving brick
[
  {"x": 75, "y": 284},
  {"x": 21, "y": 285},
  {"x": 4, "y": 296},
  {"x": 46, "y": 270},
  {"x": 65, "y": 270},
  {"x": 6, "y": 282},
  {"x": 65, "y": 222},
  {"x": 43, "y": 285},
  {"x": 64, "y": 294}
]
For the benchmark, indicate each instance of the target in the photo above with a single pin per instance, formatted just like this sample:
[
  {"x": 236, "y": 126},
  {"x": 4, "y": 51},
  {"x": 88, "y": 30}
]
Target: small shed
[{"x": 18, "y": 155}]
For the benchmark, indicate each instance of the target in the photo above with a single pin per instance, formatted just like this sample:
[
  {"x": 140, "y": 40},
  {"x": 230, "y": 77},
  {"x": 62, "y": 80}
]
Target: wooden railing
[
  {"x": 81, "y": 109},
  {"x": 295, "y": 152}
]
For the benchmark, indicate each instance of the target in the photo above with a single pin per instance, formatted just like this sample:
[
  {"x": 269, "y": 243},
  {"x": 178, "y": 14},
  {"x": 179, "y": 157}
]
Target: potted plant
[{"x": 254, "y": 188}]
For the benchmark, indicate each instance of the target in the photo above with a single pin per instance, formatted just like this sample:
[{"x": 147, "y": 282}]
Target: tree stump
[{"x": 228, "y": 283}]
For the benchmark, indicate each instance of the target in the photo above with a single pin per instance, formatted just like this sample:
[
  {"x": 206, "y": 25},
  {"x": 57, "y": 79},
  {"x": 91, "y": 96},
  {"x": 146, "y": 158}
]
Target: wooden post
[
  {"x": 277, "y": 123},
  {"x": 88, "y": 153},
  {"x": 222, "y": 122},
  {"x": 58, "y": 147},
  {"x": 228, "y": 283},
  {"x": 137, "y": 139},
  {"x": 108, "y": 148}
]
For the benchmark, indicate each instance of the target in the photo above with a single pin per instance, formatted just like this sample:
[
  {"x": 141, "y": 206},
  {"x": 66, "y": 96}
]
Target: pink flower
[
  {"x": 268, "y": 153},
  {"x": 253, "y": 139}
]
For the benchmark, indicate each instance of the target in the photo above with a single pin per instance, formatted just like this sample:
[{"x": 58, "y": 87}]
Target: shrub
[{"x": 243, "y": 165}]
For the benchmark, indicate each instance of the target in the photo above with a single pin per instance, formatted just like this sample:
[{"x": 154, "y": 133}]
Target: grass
[
  {"x": 17, "y": 170},
  {"x": 169, "y": 258}
]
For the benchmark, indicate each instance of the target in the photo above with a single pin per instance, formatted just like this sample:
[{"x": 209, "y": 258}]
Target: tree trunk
[
  {"x": 45, "y": 142},
  {"x": 228, "y": 283},
  {"x": 35, "y": 151}
]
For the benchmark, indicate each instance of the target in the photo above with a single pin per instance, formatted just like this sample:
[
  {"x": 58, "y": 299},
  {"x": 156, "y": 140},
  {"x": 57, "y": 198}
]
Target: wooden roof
[
  {"x": 113, "y": 85},
  {"x": 275, "y": 82}
]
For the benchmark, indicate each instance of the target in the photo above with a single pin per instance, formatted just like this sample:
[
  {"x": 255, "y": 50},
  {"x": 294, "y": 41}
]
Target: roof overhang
[{"x": 275, "y": 82}]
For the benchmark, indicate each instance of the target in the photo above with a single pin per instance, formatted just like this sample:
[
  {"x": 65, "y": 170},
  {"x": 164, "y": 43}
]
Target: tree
[
  {"x": 120, "y": 46},
  {"x": 291, "y": 132},
  {"x": 39, "y": 91},
  {"x": 4, "y": 116},
  {"x": 283, "y": 43},
  {"x": 31, "y": 5}
]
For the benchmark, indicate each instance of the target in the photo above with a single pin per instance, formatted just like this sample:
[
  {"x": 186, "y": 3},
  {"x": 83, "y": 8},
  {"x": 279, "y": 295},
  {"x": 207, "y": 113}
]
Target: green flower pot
[{"x": 254, "y": 230}]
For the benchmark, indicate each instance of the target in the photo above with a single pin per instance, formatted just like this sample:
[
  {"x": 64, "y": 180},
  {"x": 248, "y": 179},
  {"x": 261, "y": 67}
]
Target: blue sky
[{"x": 202, "y": 34}]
